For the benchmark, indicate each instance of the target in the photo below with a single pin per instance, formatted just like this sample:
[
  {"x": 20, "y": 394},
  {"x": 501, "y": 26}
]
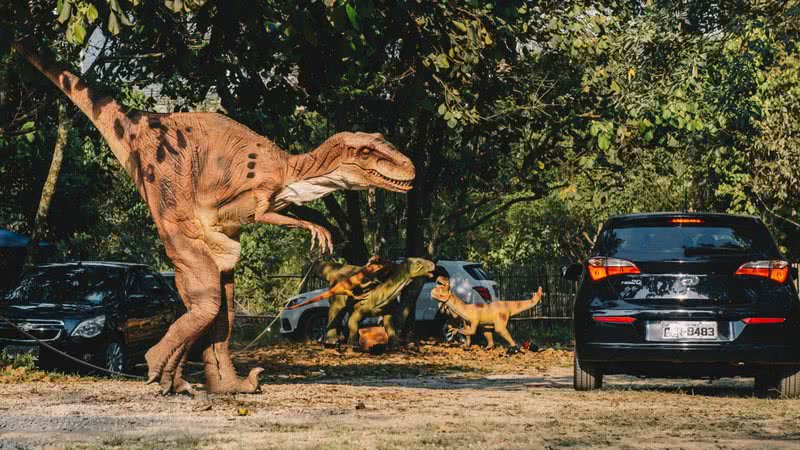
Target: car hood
[{"x": 46, "y": 310}]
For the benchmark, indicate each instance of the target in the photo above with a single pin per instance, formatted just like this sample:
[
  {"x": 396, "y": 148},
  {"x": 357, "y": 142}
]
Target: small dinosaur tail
[
  {"x": 107, "y": 115},
  {"x": 323, "y": 296},
  {"x": 517, "y": 307}
]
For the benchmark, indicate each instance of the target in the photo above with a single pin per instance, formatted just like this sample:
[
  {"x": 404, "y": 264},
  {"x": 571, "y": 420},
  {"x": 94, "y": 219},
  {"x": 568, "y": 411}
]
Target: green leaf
[
  {"x": 442, "y": 109},
  {"x": 615, "y": 87},
  {"x": 352, "y": 16},
  {"x": 76, "y": 32},
  {"x": 113, "y": 23},
  {"x": 603, "y": 141},
  {"x": 66, "y": 11},
  {"x": 460, "y": 26},
  {"x": 452, "y": 123},
  {"x": 91, "y": 13}
]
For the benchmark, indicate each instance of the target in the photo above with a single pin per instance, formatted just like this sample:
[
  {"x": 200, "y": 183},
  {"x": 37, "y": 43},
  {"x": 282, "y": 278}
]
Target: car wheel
[
  {"x": 781, "y": 382},
  {"x": 315, "y": 326},
  {"x": 586, "y": 376},
  {"x": 449, "y": 334},
  {"x": 116, "y": 357}
]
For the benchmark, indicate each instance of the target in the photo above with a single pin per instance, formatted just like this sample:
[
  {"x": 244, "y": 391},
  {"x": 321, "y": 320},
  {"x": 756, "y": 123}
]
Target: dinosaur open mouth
[{"x": 402, "y": 184}]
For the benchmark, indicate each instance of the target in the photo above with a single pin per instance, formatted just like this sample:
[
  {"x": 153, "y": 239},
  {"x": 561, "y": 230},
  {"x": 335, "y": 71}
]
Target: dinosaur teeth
[{"x": 404, "y": 183}]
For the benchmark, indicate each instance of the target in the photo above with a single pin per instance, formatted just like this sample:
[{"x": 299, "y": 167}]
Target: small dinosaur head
[
  {"x": 442, "y": 290},
  {"x": 418, "y": 267},
  {"x": 370, "y": 161}
]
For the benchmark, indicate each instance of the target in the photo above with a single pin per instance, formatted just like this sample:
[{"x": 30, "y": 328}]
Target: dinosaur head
[
  {"x": 369, "y": 161},
  {"x": 442, "y": 290},
  {"x": 418, "y": 267}
]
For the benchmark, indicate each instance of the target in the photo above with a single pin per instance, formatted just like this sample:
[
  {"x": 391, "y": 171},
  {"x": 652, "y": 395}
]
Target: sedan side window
[{"x": 145, "y": 287}]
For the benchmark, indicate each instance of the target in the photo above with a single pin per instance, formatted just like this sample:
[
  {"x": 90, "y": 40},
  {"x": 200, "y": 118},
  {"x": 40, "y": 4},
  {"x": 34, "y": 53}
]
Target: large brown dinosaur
[
  {"x": 203, "y": 175},
  {"x": 495, "y": 314},
  {"x": 364, "y": 278}
]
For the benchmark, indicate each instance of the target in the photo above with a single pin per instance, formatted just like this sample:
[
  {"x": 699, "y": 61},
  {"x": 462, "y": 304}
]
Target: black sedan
[
  {"x": 104, "y": 313},
  {"x": 687, "y": 295}
]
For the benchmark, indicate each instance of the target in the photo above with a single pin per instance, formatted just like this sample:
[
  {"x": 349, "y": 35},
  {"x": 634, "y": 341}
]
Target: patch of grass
[
  {"x": 18, "y": 360},
  {"x": 180, "y": 442},
  {"x": 21, "y": 368},
  {"x": 555, "y": 334},
  {"x": 244, "y": 334}
]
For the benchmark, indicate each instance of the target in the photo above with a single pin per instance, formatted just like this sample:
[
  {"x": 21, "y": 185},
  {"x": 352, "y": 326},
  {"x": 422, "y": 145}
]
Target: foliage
[{"x": 529, "y": 123}]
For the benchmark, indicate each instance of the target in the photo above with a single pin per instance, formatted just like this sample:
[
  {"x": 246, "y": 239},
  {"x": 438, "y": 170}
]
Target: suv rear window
[
  {"x": 477, "y": 272},
  {"x": 661, "y": 240}
]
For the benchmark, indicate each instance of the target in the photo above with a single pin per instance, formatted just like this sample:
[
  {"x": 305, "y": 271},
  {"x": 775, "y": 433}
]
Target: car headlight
[{"x": 90, "y": 328}]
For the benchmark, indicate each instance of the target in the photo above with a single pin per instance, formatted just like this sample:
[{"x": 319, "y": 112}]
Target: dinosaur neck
[
  {"x": 106, "y": 114},
  {"x": 313, "y": 175},
  {"x": 456, "y": 304},
  {"x": 321, "y": 161}
]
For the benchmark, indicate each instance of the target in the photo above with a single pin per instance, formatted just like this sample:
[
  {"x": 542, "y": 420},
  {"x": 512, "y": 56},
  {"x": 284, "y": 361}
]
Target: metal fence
[{"x": 520, "y": 284}]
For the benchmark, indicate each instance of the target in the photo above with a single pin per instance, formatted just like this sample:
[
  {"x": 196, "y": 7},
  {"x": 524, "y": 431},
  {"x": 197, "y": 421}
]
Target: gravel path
[{"x": 525, "y": 408}]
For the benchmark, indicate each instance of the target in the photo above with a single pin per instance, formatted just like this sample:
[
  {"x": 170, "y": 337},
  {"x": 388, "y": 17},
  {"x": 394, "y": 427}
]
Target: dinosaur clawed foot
[{"x": 248, "y": 385}]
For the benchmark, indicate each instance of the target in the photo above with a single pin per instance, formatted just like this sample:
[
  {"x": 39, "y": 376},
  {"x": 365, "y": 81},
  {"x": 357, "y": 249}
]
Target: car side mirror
[{"x": 572, "y": 271}]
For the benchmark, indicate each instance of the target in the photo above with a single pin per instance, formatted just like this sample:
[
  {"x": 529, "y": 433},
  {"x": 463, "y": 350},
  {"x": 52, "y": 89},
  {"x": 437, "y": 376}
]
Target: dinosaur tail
[
  {"x": 524, "y": 305},
  {"x": 323, "y": 296},
  {"x": 107, "y": 115}
]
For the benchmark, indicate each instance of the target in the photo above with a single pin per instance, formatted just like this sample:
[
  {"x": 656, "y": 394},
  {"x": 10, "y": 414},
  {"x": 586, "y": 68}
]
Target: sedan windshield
[{"x": 66, "y": 285}]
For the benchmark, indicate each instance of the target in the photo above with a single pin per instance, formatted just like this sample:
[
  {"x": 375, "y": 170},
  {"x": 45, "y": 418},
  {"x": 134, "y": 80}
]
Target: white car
[{"x": 468, "y": 281}]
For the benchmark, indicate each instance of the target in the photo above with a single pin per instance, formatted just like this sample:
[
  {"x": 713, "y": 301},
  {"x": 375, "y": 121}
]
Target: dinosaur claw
[{"x": 152, "y": 377}]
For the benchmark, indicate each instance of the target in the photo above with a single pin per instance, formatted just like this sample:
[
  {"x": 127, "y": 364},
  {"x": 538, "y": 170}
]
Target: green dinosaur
[{"x": 379, "y": 301}]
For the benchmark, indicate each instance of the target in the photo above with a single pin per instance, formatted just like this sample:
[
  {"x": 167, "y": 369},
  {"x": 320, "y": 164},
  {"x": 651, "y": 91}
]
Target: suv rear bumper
[{"x": 723, "y": 353}]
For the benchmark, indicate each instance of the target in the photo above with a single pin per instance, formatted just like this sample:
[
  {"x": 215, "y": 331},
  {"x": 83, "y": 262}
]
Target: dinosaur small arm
[
  {"x": 495, "y": 314},
  {"x": 366, "y": 277}
]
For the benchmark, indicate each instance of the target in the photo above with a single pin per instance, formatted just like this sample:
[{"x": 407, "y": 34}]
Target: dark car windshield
[
  {"x": 67, "y": 285},
  {"x": 662, "y": 241}
]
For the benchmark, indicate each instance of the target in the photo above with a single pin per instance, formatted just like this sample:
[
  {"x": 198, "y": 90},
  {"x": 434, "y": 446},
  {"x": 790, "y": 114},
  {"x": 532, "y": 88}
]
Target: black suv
[
  {"x": 104, "y": 313},
  {"x": 687, "y": 295}
]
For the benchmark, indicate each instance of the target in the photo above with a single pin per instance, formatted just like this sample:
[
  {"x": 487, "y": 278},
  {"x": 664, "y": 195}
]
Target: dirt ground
[{"x": 428, "y": 396}]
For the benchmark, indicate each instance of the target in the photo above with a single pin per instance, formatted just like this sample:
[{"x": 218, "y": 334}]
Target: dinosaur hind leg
[
  {"x": 220, "y": 373},
  {"x": 200, "y": 288}
]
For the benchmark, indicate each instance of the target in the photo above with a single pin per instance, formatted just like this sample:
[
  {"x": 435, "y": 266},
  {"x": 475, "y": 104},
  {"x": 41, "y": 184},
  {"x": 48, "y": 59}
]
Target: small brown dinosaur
[
  {"x": 364, "y": 278},
  {"x": 494, "y": 314}
]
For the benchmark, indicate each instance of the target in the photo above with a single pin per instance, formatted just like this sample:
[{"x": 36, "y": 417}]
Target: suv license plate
[{"x": 688, "y": 330}]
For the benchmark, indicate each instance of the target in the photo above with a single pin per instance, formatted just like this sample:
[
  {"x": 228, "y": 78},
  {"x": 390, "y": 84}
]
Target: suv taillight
[
  {"x": 601, "y": 267},
  {"x": 772, "y": 269},
  {"x": 483, "y": 292}
]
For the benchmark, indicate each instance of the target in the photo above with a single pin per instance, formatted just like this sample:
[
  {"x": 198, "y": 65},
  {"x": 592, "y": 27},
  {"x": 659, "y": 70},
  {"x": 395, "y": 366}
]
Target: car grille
[{"x": 44, "y": 330}]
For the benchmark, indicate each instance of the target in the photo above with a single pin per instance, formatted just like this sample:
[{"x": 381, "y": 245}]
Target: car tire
[
  {"x": 314, "y": 326},
  {"x": 782, "y": 382},
  {"x": 586, "y": 376},
  {"x": 115, "y": 357},
  {"x": 450, "y": 337}
]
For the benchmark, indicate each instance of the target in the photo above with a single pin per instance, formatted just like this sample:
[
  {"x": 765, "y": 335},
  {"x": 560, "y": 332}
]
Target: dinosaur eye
[{"x": 364, "y": 151}]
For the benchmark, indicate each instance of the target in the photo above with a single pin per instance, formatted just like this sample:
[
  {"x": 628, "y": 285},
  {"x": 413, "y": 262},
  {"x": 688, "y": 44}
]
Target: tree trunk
[
  {"x": 62, "y": 135},
  {"x": 355, "y": 250}
]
